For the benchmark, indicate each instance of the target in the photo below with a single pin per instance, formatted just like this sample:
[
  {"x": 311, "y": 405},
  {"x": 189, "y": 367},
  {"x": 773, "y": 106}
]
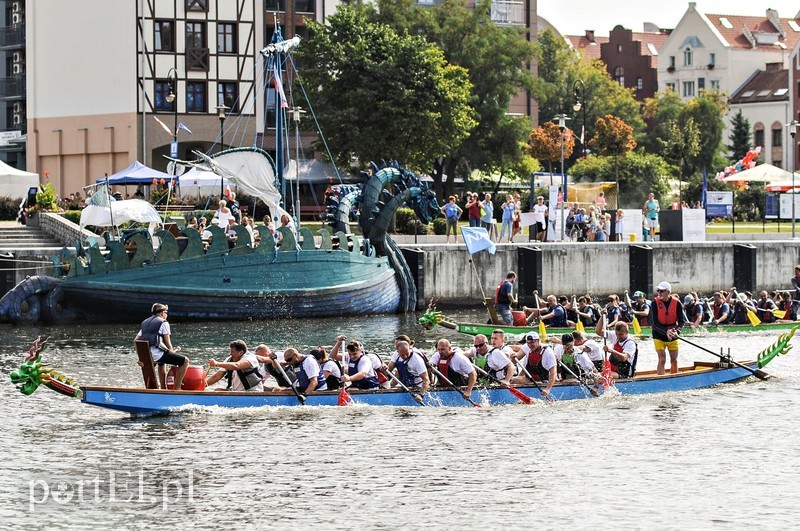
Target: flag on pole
[
  {"x": 181, "y": 126},
  {"x": 162, "y": 124},
  {"x": 583, "y": 132},
  {"x": 477, "y": 239}
]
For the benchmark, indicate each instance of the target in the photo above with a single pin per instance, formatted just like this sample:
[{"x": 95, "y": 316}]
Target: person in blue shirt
[{"x": 451, "y": 213}]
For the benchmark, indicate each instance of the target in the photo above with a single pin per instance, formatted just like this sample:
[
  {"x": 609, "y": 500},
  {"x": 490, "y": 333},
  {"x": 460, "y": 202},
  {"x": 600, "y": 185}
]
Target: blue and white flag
[
  {"x": 181, "y": 126},
  {"x": 477, "y": 239}
]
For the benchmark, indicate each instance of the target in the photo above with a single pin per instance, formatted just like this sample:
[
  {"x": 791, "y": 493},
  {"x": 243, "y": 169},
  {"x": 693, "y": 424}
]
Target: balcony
[
  {"x": 511, "y": 13},
  {"x": 12, "y": 88},
  {"x": 12, "y": 36}
]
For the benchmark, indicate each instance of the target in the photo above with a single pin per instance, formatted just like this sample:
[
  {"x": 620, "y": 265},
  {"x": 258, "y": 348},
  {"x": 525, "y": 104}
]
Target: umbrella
[{"x": 763, "y": 173}]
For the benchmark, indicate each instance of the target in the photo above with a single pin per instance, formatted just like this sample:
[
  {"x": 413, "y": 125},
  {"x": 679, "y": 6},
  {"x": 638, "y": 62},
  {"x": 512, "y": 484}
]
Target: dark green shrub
[
  {"x": 9, "y": 208},
  {"x": 439, "y": 226},
  {"x": 73, "y": 216}
]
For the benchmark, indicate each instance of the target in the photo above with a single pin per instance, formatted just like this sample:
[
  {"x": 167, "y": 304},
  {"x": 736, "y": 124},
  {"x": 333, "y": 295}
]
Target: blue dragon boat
[
  {"x": 143, "y": 402},
  {"x": 293, "y": 273}
]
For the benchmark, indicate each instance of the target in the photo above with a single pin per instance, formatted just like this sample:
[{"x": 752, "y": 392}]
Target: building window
[
  {"x": 196, "y": 46},
  {"x": 715, "y": 84},
  {"x": 688, "y": 89},
  {"x": 164, "y": 33},
  {"x": 670, "y": 86},
  {"x": 639, "y": 83},
  {"x": 758, "y": 138},
  {"x": 228, "y": 95},
  {"x": 226, "y": 37},
  {"x": 619, "y": 48},
  {"x": 196, "y": 97},
  {"x": 305, "y": 6},
  {"x": 777, "y": 137},
  {"x": 701, "y": 83},
  {"x": 619, "y": 76},
  {"x": 197, "y": 5},
  {"x": 712, "y": 59},
  {"x": 161, "y": 92},
  {"x": 687, "y": 57},
  {"x": 275, "y": 5},
  {"x": 672, "y": 61},
  {"x": 195, "y": 34}
]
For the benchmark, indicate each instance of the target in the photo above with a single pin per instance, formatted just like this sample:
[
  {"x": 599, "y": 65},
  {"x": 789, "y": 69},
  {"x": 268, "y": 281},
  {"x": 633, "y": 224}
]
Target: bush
[
  {"x": 73, "y": 216},
  {"x": 439, "y": 226},
  {"x": 9, "y": 208}
]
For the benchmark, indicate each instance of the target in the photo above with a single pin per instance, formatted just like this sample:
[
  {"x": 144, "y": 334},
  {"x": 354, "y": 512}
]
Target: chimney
[
  {"x": 590, "y": 35},
  {"x": 774, "y": 67}
]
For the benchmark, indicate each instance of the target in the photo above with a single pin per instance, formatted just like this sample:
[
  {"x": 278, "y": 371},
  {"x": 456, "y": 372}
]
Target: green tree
[
  {"x": 660, "y": 111},
  {"x": 707, "y": 110},
  {"x": 497, "y": 60},
  {"x": 681, "y": 146},
  {"x": 739, "y": 137},
  {"x": 380, "y": 95},
  {"x": 639, "y": 174}
]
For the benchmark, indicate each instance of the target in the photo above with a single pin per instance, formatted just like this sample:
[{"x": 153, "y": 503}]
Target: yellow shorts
[{"x": 666, "y": 345}]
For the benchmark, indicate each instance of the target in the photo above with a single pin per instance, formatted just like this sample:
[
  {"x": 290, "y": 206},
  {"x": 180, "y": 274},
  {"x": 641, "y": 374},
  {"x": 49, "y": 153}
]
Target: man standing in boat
[
  {"x": 241, "y": 369},
  {"x": 156, "y": 331},
  {"x": 504, "y": 298},
  {"x": 668, "y": 318}
]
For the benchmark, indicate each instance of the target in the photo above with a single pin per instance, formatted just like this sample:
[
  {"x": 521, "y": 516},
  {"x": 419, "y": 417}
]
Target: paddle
[
  {"x": 578, "y": 323},
  {"x": 300, "y": 397},
  {"x": 516, "y": 392},
  {"x": 542, "y": 327},
  {"x": 417, "y": 398},
  {"x": 751, "y": 315},
  {"x": 443, "y": 378},
  {"x": 591, "y": 390},
  {"x": 637, "y": 328},
  {"x": 344, "y": 397},
  {"x": 780, "y": 314},
  {"x": 758, "y": 373},
  {"x": 608, "y": 380},
  {"x": 525, "y": 371}
]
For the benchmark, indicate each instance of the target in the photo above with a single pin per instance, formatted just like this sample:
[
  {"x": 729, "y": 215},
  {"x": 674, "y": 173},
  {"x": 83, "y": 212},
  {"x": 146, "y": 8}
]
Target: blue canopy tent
[{"x": 136, "y": 173}]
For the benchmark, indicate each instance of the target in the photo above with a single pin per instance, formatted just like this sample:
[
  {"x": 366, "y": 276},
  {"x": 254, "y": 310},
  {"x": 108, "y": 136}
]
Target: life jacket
[
  {"x": 456, "y": 378},
  {"x": 643, "y": 320},
  {"x": 249, "y": 378},
  {"x": 408, "y": 379},
  {"x": 740, "y": 314},
  {"x": 368, "y": 382},
  {"x": 568, "y": 362},
  {"x": 559, "y": 318},
  {"x": 668, "y": 318},
  {"x": 718, "y": 313},
  {"x": 766, "y": 317},
  {"x": 501, "y": 298},
  {"x": 331, "y": 380},
  {"x": 534, "y": 364},
  {"x": 150, "y": 328},
  {"x": 625, "y": 369},
  {"x": 303, "y": 379}
]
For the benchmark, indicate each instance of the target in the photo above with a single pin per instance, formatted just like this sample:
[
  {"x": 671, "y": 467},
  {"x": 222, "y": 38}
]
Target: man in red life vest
[
  {"x": 455, "y": 366},
  {"x": 666, "y": 314}
]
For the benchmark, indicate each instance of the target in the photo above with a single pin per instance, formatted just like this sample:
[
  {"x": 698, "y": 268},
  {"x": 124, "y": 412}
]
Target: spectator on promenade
[
  {"x": 650, "y": 211},
  {"x": 619, "y": 225},
  {"x": 487, "y": 217},
  {"x": 540, "y": 218},
  {"x": 473, "y": 208},
  {"x": 600, "y": 202},
  {"x": 451, "y": 213},
  {"x": 516, "y": 226},
  {"x": 509, "y": 208}
]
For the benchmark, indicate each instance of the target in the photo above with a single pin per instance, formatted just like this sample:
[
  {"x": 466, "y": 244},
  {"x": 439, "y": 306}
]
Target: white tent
[
  {"x": 119, "y": 212},
  {"x": 763, "y": 173},
  {"x": 201, "y": 183},
  {"x": 16, "y": 183}
]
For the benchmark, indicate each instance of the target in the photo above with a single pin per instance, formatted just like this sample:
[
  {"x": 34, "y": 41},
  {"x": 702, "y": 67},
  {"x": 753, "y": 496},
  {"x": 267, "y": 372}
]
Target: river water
[{"x": 720, "y": 458}]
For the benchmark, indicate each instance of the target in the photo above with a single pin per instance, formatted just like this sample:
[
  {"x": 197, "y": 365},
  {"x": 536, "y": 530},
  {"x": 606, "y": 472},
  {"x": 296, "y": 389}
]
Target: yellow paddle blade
[
  {"x": 780, "y": 314},
  {"x": 637, "y": 328},
  {"x": 542, "y": 332},
  {"x": 754, "y": 320},
  {"x": 579, "y": 326}
]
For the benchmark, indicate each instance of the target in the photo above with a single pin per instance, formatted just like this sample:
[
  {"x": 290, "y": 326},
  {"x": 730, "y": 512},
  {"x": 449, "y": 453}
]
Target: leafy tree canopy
[{"x": 638, "y": 174}]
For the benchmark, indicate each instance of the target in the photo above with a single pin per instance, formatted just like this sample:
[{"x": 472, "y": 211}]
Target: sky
[{"x": 573, "y": 17}]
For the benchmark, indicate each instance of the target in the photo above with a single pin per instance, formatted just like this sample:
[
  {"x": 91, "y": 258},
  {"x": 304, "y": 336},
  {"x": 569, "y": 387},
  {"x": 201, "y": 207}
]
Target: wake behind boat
[{"x": 137, "y": 401}]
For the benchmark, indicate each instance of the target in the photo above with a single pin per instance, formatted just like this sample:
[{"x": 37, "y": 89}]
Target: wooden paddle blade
[
  {"x": 637, "y": 328},
  {"x": 608, "y": 380},
  {"x": 754, "y": 320},
  {"x": 780, "y": 314},
  {"x": 520, "y": 395},
  {"x": 542, "y": 332},
  {"x": 579, "y": 326}
]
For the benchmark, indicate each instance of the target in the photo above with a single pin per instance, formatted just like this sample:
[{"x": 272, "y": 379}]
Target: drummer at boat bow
[
  {"x": 455, "y": 366},
  {"x": 240, "y": 368},
  {"x": 540, "y": 363},
  {"x": 156, "y": 331},
  {"x": 310, "y": 377},
  {"x": 411, "y": 367}
]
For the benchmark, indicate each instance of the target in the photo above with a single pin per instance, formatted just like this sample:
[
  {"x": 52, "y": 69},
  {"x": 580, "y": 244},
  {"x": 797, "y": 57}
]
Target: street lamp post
[
  {"x": 221, "y": 115},
  {"x": 561, "y": 119},
  {"x": 172, "y": 82},
  {"x": 580, "y": 102},
  {"x": 793, "y": 131}
]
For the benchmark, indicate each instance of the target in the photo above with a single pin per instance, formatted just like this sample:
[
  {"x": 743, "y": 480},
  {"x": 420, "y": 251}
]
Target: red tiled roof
[
  {"x": 756, "y": 24},
  {"x": 590, "y": 49},
  {"x": 656, "y": 39},
  {"x": 762, "y": 87}
]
